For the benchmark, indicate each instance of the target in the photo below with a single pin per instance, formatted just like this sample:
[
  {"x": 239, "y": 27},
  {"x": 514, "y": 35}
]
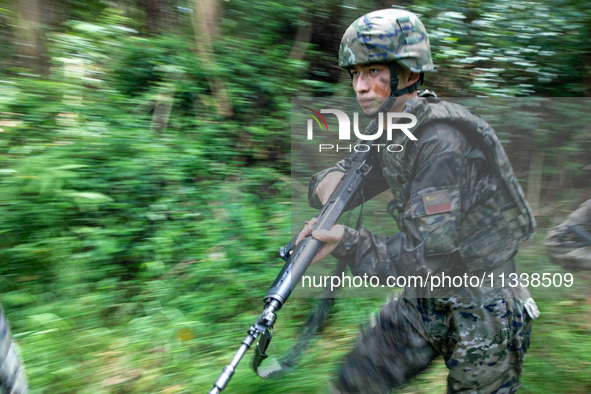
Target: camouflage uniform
[
  {"x": 565, "y": 247},
  {"x": 12, "y": 372},
  {"x": 459, "y": 210},
  {"x": 483, "y": 342}
]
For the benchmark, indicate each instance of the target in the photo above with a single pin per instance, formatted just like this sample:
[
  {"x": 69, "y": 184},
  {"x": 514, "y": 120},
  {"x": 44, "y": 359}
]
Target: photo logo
[
  {"x": 388, "y": 122},
  {"x": 314, "y": 114}
]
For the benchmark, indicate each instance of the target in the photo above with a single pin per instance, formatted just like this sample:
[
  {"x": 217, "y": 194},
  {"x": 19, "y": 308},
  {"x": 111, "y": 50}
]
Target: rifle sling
[{"x": 315, "y": 325}]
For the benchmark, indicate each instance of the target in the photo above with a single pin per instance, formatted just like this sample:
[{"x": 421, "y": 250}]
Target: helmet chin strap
[{"x": 395, "y": 92}]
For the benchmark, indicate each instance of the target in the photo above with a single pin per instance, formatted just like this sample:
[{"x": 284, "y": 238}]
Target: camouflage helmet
[{"x": 385, "y": 36}]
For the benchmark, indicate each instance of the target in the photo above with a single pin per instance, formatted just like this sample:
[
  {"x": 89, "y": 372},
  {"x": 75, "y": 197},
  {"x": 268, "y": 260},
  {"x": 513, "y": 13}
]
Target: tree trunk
[
  {"x": 32, "y": 17},
  {"x": 163, "y": 103},
  {"x": 205, "y": 25},
  {"x": 161, "y": 15},
  {"x": 28, "y": 36},
  {"x": 534, "y": 179},
  {"x": 303, "y": 36}
]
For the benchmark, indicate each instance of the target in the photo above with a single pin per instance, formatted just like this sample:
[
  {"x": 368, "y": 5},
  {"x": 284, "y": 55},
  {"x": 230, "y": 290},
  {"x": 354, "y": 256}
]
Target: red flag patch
[{"x": 437, "y": 202}]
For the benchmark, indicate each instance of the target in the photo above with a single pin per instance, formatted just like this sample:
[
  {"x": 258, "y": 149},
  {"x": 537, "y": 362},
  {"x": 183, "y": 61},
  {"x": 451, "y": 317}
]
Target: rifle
[{"x": 297, "y": 259}]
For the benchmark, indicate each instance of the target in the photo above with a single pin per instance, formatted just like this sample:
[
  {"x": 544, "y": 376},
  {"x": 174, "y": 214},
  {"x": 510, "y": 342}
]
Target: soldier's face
[{"x": 372, "y": 86}]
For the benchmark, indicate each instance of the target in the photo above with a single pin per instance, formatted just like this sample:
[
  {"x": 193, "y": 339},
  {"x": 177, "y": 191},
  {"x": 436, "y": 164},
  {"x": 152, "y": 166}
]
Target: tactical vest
[{"x": 483, "y": 242}]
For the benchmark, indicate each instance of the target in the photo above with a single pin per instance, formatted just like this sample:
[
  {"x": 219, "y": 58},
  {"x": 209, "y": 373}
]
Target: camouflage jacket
[{"x": 454, "y": 211}]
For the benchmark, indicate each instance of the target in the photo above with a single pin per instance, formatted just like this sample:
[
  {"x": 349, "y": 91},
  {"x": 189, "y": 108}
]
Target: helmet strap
[
  {"x": 396, "y": 92},
  {"x": 394, "y": 82}
]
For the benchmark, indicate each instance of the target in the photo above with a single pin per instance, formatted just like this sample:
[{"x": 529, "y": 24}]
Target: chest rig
[{"x": 396, "y": 166}]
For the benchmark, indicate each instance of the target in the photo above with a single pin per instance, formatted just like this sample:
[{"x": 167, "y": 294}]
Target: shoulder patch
[{"x": 437, "y": 202}]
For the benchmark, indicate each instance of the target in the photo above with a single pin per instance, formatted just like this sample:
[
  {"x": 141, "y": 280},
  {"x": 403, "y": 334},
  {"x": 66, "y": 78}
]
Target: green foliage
[
  {"x": 113, "y": 233},
  {"x": 516, "y": 48}
]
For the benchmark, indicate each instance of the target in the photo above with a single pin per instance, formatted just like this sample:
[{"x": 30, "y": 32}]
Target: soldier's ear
[{"x": 412, "y": 78}]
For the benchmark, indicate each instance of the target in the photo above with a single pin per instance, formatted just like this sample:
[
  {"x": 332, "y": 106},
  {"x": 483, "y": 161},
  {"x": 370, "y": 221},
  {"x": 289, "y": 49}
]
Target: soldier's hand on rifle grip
[
  {"x": 328, "y": 185},
  {"x": 330, "y": 238}
]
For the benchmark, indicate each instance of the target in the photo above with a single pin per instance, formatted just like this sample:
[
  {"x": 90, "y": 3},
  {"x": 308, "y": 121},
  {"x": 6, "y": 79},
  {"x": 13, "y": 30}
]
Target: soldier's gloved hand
[
  {"x": 328, "y": 185},
  {"x": 330, "y": 238}
]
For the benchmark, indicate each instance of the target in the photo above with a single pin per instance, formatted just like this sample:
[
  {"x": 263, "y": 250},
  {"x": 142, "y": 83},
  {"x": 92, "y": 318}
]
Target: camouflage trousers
[
  {"x": 12, "y": 372},
  {"x": 482, "y": 340}
]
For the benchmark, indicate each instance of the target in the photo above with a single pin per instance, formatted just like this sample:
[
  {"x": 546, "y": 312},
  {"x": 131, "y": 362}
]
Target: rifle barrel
[{"x": 253, "y": 332}]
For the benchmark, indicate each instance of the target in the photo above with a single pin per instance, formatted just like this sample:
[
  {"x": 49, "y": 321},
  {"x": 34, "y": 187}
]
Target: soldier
[
  {"x": 459, "y": 210},
  {"x": 569, "y": 243},
  {"x": 12, "y": 373}
]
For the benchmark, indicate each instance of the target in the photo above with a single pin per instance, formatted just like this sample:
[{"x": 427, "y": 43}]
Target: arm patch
[{"x": 437, "y": 202}]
